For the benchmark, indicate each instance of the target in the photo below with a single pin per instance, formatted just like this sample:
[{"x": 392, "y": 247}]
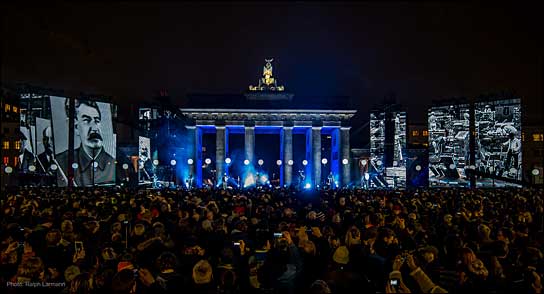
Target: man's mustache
[{"x": 94, "y": 136}]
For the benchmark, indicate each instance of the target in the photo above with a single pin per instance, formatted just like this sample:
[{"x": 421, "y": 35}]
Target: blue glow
[{"x": 308, "y": 186}]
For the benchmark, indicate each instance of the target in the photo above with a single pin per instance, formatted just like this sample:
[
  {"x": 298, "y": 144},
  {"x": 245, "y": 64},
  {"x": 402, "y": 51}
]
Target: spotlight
[
  {"x": 278, "y": 162},
  {"x": 305, "y": 162},
  {"x": 324, "y": 161},
  {"x": 260, "y": 162},
  {"x": 173, "y": 162},
  {"x": 307, "y": 186},
  {"x": 379, "y": 162},
  {"x": 32, "y": 168},
  {"x": 54, "y": 166},
  {"x": 290, "y": 162},
  {"x": 8, "y": 169},
  {"x": 208, "y": 161},
  {"x": 535, "y": 172},
  {"x": 345, "y": 161},
  {"x": 246, "y": 162},
  {"x": 190, "y": 161},
  {"x": 363, "y": 162},
  {"x": 125, "y": 166},
  {"x": 452, "y": 166},
  {"x": 155, "y": 162},
  {"x": 418, "y": 167},
  {"x": 227, "y": 160}
]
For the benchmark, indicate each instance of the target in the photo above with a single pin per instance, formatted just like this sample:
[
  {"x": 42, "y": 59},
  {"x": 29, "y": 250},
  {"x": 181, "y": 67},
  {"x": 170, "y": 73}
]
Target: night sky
[{"x": 420, "y": 52}]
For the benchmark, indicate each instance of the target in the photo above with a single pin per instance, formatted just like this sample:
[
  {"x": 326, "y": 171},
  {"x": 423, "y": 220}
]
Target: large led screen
[
  {"x": 396, "y": 174},
  {"x": 36, "y": 162},
  {"x": 449, "y": 138},
  {"x": 381, "y": 174},
  {"x": 376, "y": 168},
  {"x": 145, "y": 162},
  {"x": 94, "y": 143},
  {"x": 498, "y": 141}
]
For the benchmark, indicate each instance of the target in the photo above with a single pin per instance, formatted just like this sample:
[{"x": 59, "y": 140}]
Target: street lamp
[
  {"x": 278, "y": 162},
  {"x": 345, "y": 161},
  {"x": 305, "y": 162},
  {"x": 246, "y": 162},
  {"x": 260, "y": 162}
]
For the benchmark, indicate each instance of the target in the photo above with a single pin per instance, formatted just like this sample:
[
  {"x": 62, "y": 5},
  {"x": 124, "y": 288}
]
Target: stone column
[
  {"x": 344, "y": 147},
  {"x": 287, "y": 154},
  {"x": 191, "y": 152},
  {"x": 308, "y": 171},
  {"x": 220, "y": 154},
  {"x": 198, "y": 157},
  {"x": 250, "y": 144},
  {"x": 316, "y": 153},
  {"x": 336, "y": 160}
]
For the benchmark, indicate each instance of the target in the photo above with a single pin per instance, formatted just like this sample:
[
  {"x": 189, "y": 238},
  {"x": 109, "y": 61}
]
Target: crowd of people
[{"x": 120, "y": 240}]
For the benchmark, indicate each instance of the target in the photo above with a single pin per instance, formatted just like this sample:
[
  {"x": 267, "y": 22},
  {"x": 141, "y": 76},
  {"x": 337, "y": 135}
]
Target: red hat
[{"x": 124, "y": 265}]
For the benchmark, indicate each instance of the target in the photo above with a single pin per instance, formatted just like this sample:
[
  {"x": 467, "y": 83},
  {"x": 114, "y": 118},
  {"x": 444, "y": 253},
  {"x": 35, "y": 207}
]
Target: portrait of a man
[
  {"x": 46, "y": 157},
  {"x": 95, "y": 166}
]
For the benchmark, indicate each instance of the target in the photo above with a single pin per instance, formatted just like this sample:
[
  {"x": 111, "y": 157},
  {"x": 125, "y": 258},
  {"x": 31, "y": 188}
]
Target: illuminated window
[
  {"x": 15, "y": 160},
  {"x": 7, "y": 107},
  {"x": 15, "y": 109},
  {"x": 538, "y": 137},
  {"x": 415, "y": 133},
  {"x": 17, "y": 145},
  {"x": 5, "y": 145},
  {"x": 6, "y": 160},
  {"x": 425, "y": 133}
]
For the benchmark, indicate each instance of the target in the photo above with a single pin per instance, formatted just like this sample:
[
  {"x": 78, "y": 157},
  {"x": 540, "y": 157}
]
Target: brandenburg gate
[{"x": 285, "y": 121}]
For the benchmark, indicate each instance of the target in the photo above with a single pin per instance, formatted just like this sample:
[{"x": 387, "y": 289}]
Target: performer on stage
[
  {"x": 330, "y": 180},
  {"x": 225, "y": 181}
]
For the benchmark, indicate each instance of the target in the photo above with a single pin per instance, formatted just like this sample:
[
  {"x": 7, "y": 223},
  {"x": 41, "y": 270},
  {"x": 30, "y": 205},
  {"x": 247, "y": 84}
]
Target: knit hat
[
  {"x": 341, "y": 255},
  {"x": 320, "y": 216},
  {"x": 320, "y": 286},
  {"x": 124, "y": 265},
  {"x": 71, "y": 272},
  {"x": 202, "y": 272}
]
